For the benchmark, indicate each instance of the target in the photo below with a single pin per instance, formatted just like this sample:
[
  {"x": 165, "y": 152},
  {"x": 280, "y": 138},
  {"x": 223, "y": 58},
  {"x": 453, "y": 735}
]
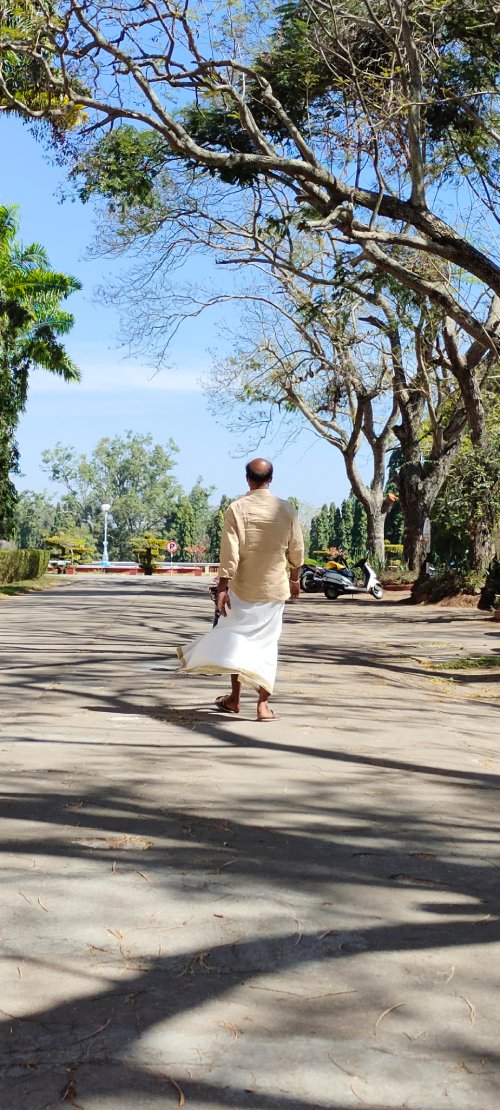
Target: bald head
[{"x": 259, "y": 472}]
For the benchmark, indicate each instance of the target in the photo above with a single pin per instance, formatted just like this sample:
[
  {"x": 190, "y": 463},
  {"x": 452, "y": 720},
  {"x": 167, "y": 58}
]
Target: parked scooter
[
  {"x": 337, "y": 582},
  {"x": 312, "y": 579}
]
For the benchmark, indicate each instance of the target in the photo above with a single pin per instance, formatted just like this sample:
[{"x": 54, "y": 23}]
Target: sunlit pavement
[{"x": 201, "y": 910}]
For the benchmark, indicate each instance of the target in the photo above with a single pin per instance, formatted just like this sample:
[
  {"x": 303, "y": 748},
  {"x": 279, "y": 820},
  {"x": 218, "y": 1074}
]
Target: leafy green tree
[
  {"x": 35, "y": 516},
  {"x": 215, "y": 529},
  {"x": 26, "y": 75},
  {"x": 131, "y": 473},
  {"x": 199, "y": 497},
  {"x": 319, "y": 539},
  {"x": 324, "y": 527},
  {"x": 312, "y": 71},
  {"x": 347, "y": 512},
  {"x": 339, "y": 536},
  {"x": 31, "y": 324},
  {"x": 331, "y": 514},
  {"x": 313, "y": 537},
  {"x": 305, "y": 513},
  {"x": 214, "y": 535},
  {"x": 422, "y": 78},
  {"x": 359, "y": 534},
  {"x": 472, "y": 491},
  {"x": 184, "y": 530},
  {"x": 189, "y": 518}
]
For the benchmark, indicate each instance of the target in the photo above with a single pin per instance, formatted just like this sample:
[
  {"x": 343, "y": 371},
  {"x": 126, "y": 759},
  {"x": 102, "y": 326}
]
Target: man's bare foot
[
  {"x": 227, "y": 704},
  {"x": 265, "y": 713}
]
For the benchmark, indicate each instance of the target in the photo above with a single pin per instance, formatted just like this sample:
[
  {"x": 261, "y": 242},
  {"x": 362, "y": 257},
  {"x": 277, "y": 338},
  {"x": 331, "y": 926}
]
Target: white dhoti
[{"x": 244, "y": 643}]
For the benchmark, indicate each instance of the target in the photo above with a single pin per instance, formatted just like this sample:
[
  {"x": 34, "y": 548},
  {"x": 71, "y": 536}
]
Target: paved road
[{"x": 292, "y": 916}]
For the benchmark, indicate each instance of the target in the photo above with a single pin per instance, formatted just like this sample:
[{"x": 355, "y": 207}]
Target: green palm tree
[{"x": 32, "y": 320}]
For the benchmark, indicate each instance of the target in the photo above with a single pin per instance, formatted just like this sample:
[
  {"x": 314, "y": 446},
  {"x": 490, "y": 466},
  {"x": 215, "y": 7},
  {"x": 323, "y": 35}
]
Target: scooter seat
[{"x": 338, "y": 575}]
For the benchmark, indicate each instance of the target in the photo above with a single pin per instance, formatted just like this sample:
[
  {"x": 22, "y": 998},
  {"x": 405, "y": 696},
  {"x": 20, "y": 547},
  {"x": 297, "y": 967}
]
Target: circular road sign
[{"x": 172, "y": 547}]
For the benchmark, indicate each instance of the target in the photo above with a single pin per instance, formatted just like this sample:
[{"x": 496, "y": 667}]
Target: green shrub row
[
  {"x": 18, "y": 565},
  {"x": 393, "y": 549}
]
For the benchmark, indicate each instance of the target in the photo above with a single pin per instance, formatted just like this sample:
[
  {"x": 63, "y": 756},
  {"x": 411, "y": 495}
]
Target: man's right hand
[
  {"x": 223, "y": 602},
  {"x": 294, "y": 589}
]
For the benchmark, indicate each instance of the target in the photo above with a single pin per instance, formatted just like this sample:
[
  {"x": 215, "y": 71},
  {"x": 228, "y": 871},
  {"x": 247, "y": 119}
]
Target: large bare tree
[
  {"x": 409, "y": 360},
  {"x": 370, "y": 125},
  {"x": 314, "y": 368},
  {"x": 377, "y": 118},
  {"x": 363, "y": 382}
]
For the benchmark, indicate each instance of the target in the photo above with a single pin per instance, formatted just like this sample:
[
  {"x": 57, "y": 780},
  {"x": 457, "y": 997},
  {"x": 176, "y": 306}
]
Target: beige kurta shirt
[{"x": 261, "y": 532}]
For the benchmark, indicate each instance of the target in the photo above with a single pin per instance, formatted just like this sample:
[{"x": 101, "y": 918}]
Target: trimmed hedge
[
  {"x": 15, "y": 566},
  {"x": 393, "y": 549}
]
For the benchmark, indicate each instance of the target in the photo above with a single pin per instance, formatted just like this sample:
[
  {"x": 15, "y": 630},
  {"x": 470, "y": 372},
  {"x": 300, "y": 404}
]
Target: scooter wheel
[
  {"x": 307, "y": 583},
  {"x": 331, "y": 593},
  {"x": 377, "y": 592}
]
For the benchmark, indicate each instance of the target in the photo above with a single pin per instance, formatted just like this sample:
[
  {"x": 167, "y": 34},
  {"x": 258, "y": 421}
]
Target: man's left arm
[
  {"x": 229, "y": 558},
  {"x": 295, "y": 555}
]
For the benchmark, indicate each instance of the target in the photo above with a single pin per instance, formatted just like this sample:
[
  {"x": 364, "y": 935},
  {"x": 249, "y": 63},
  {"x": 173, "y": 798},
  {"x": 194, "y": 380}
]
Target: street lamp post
[{"x": 105, "y": 556}]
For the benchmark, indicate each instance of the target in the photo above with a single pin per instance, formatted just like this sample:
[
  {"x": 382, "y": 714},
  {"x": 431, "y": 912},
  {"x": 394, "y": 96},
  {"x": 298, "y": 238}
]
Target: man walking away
[{"x": 261, "y": 532}]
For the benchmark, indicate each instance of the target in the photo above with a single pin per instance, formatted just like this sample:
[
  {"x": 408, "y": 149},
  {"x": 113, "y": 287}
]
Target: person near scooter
[{"x": 338, "y": 560}]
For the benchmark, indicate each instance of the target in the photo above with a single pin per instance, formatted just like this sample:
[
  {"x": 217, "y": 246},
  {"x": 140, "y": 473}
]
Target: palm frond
[
  {"x": 43, "y": 349},
  {"x": 31, "y": 257},
  {"x": 9, "y": 223},
  {"x": 31, "y": 284}
]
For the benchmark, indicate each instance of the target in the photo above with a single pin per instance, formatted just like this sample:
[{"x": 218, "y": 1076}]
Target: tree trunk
[
  {"x": 415, "y": 509},
  {"x": 481, "y": 547},
  {"x": 375, "y": 529},
  {"x": 372, "y": 499},
  {"x": 414, "y": 542},
  {"x": 420, "y": 482}
]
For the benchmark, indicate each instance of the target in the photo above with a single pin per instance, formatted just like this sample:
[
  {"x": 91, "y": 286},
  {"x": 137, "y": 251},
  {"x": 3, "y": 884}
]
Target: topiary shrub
[
  {"x": 16, "y": 566},
  {"x": 80, "y": 549},
  {"x": 149, "y": 551}
]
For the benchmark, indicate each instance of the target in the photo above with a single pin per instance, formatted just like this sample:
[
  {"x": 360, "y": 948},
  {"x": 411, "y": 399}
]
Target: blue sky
[{"x": 118, "y": 393}]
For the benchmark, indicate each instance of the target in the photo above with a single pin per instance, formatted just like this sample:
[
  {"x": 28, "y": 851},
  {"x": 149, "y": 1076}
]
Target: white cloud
[{"x": 110, "y": 375}]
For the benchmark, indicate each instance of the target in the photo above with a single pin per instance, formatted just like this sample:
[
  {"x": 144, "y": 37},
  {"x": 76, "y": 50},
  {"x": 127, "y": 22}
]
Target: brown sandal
[{"x": 221, "y": 704}]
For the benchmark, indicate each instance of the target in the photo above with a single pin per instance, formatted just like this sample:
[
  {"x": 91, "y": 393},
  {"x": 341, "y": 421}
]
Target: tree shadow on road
[
  {"x": 95, "y": 1039},
  {"x": 359, "y": 829}
]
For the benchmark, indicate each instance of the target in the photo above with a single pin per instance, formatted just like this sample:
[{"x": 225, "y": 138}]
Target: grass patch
[
  {"x": 469, "y": 662},
  {"x": 30, "y": 585}
]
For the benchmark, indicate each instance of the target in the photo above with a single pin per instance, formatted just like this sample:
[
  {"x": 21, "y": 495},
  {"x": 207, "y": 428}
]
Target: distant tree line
[
  {"x": 343, "y": 526},
  {"x": 135, "y": 477}
]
